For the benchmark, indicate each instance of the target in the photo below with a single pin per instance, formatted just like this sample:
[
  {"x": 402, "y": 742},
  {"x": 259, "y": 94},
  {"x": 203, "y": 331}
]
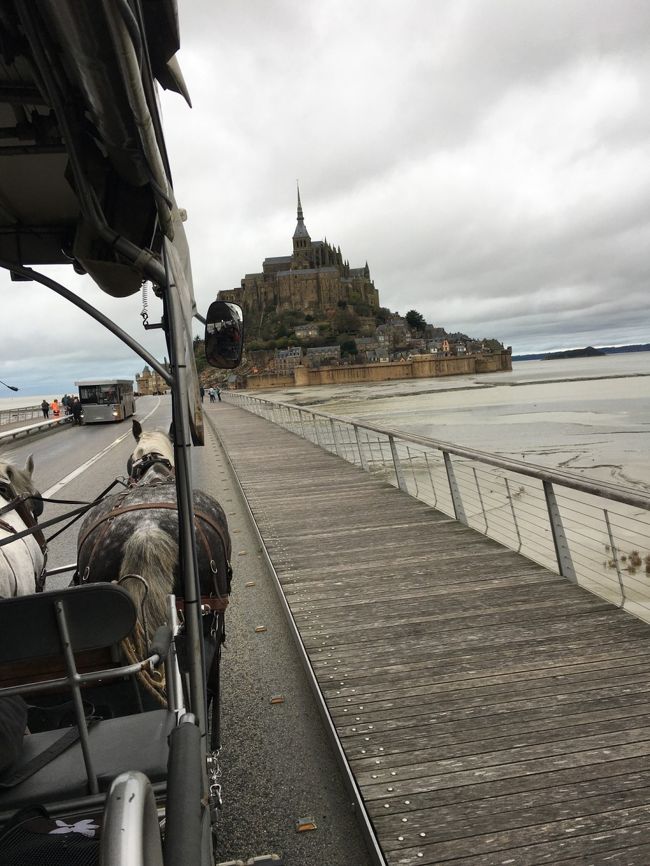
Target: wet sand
[{"x": 587, "y": 415}]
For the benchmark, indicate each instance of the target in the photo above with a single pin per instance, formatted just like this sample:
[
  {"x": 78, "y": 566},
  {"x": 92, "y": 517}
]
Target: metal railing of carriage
[{"x": 594, "y": 533}]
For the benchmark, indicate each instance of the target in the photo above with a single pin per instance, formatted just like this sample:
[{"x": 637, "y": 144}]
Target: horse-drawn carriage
[{"x": 127, "y": 771}]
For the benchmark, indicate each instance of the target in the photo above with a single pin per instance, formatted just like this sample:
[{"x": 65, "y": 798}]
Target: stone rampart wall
[
  {"x": 419, "y": 367},
  {"x": 268, "y": 380}
]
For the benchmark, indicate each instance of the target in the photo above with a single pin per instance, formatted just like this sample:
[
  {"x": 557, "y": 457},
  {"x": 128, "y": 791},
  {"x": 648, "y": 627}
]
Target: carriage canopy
[{"x": 84, "y": 173}]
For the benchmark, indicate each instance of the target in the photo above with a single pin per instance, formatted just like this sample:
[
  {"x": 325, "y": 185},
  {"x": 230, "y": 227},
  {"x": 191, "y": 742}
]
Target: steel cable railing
[{"x": 593, "y": 533}]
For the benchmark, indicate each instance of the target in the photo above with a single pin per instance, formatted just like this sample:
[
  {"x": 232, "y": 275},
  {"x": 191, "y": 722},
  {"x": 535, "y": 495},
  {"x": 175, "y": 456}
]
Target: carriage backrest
[{"x": 96, "y": 616}]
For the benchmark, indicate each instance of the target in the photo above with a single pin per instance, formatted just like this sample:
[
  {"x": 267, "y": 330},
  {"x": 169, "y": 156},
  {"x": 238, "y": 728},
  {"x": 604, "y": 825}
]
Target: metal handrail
[
  {"x": 19, "y": 413},
  {"x": 595, "y": 533}
]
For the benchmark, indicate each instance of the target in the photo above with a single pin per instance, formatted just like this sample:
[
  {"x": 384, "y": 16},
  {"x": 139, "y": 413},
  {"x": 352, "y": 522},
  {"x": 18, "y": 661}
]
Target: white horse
[{"x": 21, "y": 560}]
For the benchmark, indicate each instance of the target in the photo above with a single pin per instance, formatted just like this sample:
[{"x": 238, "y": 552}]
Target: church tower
[{"x": 301, "y": 242}]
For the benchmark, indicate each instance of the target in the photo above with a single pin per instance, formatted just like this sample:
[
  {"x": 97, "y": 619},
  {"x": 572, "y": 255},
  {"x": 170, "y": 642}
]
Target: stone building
[
  {"x": 286, "y": 359},
  {"x": 318, "y": 355},
  {"x": 149, "y": 382},
  {"x": 314, "y": 278}
]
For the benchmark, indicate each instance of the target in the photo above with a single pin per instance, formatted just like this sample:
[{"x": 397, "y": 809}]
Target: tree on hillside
[
  {"x": 382, "y": 315},
  {"x": 349, "y": 347},
  {"x": 415, "y": 320},
  {"x": 346, "y": 321},
  {"x": 493, "y": 345}
]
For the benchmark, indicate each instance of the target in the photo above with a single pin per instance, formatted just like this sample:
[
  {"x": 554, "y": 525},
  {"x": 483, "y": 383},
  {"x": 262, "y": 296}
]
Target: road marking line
[{"x": 81, "y": 469}]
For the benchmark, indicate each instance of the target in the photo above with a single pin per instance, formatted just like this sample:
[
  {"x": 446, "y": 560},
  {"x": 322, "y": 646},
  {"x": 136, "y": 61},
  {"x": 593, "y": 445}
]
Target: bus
[{"x": 106, "y": 399}]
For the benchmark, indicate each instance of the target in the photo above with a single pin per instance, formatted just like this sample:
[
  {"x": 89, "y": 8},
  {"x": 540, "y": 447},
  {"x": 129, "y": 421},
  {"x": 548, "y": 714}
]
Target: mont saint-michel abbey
[{"x": 314, "y": 278}]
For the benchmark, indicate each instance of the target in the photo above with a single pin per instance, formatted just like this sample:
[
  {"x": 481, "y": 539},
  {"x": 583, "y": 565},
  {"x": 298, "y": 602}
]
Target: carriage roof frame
[{"x": 91, "y": 186}]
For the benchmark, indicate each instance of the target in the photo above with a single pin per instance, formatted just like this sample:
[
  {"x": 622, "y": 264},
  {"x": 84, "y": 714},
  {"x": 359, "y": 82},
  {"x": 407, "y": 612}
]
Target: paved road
[{"x": 277, "y": 765}]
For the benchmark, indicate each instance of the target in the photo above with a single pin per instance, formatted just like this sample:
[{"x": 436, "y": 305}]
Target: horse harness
[
  {"x": 27, "y": 515},
  {"x": 209, "y": 603}
]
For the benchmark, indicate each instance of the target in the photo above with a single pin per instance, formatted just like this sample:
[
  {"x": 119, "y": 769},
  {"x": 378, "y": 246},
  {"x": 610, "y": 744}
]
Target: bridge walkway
[{"x": 492, "y": 712}]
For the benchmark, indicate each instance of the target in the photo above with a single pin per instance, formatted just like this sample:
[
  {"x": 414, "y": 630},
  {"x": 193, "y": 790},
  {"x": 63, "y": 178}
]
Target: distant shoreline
[{"x": 583, "y": 353}]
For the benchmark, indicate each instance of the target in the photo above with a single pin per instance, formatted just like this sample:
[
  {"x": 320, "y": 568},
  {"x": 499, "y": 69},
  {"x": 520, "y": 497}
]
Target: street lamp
[{"x": 11, "y": 387}]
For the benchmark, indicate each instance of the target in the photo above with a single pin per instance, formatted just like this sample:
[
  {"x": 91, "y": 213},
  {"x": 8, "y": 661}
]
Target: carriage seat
[
  {"x": 137, "y": 742},
  {"x": 63, "y": 640}
]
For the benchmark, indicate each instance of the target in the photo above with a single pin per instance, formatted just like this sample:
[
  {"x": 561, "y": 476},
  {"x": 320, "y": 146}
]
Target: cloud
[
  {"x": 490, "y": 159},
  {"x": 477, "y": 154}
]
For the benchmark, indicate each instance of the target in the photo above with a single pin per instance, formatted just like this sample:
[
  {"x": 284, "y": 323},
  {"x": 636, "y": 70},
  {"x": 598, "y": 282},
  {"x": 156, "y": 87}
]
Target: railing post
[
  {"x": 319, "y": 443},
  {"x": 480, "y": 498},
  {"x": 612, "y": 547},
  {"x": 414, "y": 476},
  {"x": 362, "y": 458},
  {"x": 456, "y": 498},
  {"x": 401, "y": 481},
  {"x": 302, "y": 425},
  {"x": 334, "y": 442},
  {"x": 562, "y": 552},
  {"x": 514, "y": 515},
  {"x": 433, "y": 486}
]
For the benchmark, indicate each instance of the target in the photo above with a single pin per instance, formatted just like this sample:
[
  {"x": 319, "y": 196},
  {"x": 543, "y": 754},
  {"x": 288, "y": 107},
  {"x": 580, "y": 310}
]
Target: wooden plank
[
  {"x": 482, "y": 700},
  {"x": 449, "y": 824},
  {"x": 538, "y": 844}
]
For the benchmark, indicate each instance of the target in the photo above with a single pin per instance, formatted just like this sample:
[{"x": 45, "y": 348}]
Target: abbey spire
[
  {"x": 301, "y": 239},
  {"x": 314, "y": 279}
]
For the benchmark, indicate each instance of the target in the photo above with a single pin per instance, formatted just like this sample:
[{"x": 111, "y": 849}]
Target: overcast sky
[{"x": 490, "y": 159}]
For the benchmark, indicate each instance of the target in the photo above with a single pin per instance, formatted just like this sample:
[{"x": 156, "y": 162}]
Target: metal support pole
[
  {"x": 480, "y": 498},
  {"x": 189, "y": 570},
  {"x": 71, "y": 670},
  {"x": 318, "y": 442},
  {"x": 456, "y": 498},
  {"x": 399, "y": 474},
  {"x": 612, "y": 547},
  {"x": 173, "y": 680},
  {"x": 334, "y": 442},
  {"x": 98, "y": 316},
  {"x": 514, "y": 515},
  {"x": 433, "y": 486},
  {"x": 362, "y": 456},
  {"x": 414, "y": 476},
  {"x": 562, "y": 551},
  {"x": 302, "y": 424}
]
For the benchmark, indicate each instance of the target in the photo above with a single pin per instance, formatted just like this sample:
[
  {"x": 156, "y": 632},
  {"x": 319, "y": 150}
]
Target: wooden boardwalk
[{"x": 493, "y": 714}]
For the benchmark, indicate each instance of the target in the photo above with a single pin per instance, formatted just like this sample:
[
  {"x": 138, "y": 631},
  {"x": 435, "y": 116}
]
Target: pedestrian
[
  {"x": 45, "y": 409},
  {"x": 56, "y": 409},
  {"x": 202, "y": 389},
  {"x": 211, "y": 395},
  {"x": 76, "y": 409},
  {"x": 218, "y": 392}
]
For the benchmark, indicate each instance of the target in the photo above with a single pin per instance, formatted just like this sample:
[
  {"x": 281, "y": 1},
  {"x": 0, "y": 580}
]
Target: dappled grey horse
[{"x": 132, "y": 537}]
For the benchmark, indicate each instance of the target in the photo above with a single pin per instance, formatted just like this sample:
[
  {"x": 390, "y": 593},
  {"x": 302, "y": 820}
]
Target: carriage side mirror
[{"x": 224, "y": 335}]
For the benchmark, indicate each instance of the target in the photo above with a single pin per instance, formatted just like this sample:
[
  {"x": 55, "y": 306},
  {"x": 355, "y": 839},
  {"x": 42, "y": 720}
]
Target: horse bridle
[
  {"x": 28, "y": 515},
  {"x": 19, "y": 503},
  {"x": 138, "y": 468}
]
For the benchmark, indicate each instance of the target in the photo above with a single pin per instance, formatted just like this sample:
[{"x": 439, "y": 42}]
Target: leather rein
[{"x": 19, "y": 505}]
